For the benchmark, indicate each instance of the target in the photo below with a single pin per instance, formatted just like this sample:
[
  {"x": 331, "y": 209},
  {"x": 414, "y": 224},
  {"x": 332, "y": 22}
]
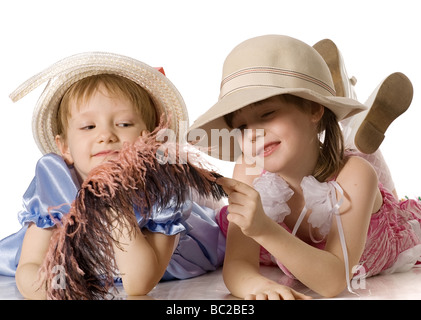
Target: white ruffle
[
  {"x": 274, "y": 193},
  {"x": 320, "y": 197}
]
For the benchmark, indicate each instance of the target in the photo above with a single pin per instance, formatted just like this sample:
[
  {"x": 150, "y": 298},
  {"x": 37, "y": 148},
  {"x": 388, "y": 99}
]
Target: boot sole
[
  {"x": 330, "y": 54},
  {"x": 393, "y": 98}
]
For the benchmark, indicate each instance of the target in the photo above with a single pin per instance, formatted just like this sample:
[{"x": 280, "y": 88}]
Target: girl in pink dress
[{"x": 299, "y": 198}]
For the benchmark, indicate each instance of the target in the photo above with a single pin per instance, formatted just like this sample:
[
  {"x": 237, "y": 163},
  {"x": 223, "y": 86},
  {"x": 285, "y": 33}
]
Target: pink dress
[{"x": 394, "y": 236}]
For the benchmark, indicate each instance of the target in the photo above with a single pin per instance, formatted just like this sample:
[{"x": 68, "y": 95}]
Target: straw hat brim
[
  {"x": 212, "y": 122},
  {"x": 68, "y": 71},
  {"x": 260, "y": 68}
]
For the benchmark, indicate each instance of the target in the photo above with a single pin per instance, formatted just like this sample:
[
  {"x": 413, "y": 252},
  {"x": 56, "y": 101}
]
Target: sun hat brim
[
  {"x": 260, "y": 68},
  {"x": 212, "y": 122},
  {"x": 63, "y": 74}
]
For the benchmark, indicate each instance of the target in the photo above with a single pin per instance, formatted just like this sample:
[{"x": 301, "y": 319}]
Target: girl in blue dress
[{"x": 94, "y": 105}]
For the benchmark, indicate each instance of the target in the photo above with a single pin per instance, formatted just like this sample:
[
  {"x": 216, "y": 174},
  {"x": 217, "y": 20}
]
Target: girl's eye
[
  {"x": 89, "y": 127},
  {"x": 242, "y": 127},
  {"x": 267, "y": 114},
  {"x": 124, "y": 124}
]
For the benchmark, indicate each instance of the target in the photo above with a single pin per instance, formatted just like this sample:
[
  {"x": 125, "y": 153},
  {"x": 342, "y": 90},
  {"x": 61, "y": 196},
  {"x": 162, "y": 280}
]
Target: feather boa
[{"x": 145, "y": 174}]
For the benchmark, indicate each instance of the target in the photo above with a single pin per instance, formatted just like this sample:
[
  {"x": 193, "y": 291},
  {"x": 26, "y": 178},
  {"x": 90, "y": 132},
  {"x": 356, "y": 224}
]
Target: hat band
[{"x": 272, "y": 77}]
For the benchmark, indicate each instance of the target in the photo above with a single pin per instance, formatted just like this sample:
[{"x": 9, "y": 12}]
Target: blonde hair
[
  {"x": 331, "y": 146},
  {"x": 115, "y": 85}
]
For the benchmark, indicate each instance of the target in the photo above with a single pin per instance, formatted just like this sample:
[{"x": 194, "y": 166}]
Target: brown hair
[
  {"x": 116, "y": 85},
  {"x": 331, "y": 149},
  {"x": 331, "y": 152}
]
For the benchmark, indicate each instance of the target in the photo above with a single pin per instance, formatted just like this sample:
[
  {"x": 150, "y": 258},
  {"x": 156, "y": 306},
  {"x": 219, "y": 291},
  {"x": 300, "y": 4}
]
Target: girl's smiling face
[
  {"x": 279, "y": 134},
  {"x": 97, "y": 130}
]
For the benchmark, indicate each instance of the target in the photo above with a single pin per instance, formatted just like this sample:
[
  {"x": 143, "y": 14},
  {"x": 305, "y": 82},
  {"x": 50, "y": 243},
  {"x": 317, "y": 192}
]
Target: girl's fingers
[
  {"x": 301, "y": 296},
  {"x": 235, "y": 208},
  {"x": 229, "y": 185},
  {"x": 237, "y": 198},
  {"x": 283, "y": 294},
  {"x": 232, "y": 185}
]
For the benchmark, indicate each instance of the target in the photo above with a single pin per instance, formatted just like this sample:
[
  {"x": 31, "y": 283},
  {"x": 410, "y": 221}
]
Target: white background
[{"x": 190, "y": 39}]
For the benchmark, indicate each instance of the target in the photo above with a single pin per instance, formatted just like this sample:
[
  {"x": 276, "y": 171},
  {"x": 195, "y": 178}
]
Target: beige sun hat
[
  {"x": 260, "y": 68},
  {"x": 64, "y": 73}
]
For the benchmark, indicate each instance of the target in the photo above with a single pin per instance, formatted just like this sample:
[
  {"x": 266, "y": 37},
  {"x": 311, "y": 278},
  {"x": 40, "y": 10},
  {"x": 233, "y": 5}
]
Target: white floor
[{"x": 402, "y": 286}]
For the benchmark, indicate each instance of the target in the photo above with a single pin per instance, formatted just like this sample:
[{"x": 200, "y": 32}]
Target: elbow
[
  {"x": 331, "y": 283},
  {"x": 331, "y": 292},
  {"x": 27, "y": 282},
  {"x": 332, "y": 289},
  {"x": 137, "y": 287},
  {"x": 137, "y": 290}
]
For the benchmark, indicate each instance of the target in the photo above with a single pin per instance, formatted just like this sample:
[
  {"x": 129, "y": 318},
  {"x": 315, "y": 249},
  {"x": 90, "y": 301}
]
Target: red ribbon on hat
[{"x": 161, "y": 69}]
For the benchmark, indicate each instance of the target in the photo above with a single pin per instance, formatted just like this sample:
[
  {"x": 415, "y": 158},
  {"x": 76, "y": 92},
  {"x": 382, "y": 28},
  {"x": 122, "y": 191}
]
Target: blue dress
[{"x": 201, "y": 244}]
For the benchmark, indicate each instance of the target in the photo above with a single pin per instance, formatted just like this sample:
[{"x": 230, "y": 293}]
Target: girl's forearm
[
  {"x": 137, "y": 262},
  {"x": 243, "y": 278},
  {"x": 320, "y": 270}
]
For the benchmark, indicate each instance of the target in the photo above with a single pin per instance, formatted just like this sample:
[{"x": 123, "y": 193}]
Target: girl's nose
[
  {"x": 252, "y": 134},
  {"x": 107, "y": 136}
]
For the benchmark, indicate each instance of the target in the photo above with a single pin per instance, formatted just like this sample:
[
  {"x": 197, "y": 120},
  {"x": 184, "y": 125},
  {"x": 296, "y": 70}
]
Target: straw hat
[
  {"x": 263, "y": 67},
  {"x": 66, "y": 72}
]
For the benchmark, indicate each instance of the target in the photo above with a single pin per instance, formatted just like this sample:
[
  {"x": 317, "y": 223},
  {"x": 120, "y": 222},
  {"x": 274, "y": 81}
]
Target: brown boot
[
  {"x": 344, "y": 86},
  {"x": 390, "y": 99}
]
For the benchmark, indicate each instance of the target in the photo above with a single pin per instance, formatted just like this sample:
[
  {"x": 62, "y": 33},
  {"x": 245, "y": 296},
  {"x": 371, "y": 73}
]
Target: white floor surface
[{"x": 399, "y": 286}]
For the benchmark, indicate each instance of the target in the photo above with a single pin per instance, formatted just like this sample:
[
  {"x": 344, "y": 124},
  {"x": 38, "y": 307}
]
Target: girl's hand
[
  {"x": 245, "y": 207},
  {"x": 277, "y": 292}
]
